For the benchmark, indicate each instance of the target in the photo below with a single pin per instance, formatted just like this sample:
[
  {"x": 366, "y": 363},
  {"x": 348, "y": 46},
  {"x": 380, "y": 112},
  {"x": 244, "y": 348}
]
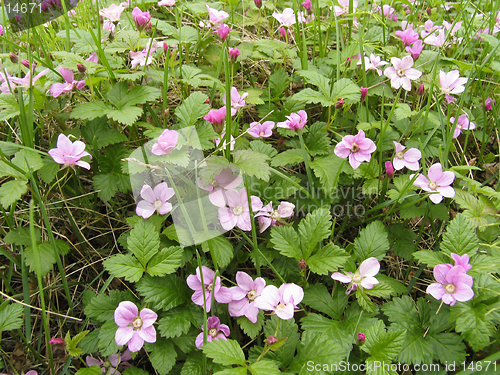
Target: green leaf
[
  {"x": 288, "y": 157},
  {"x": 319, "y": 80},
  {"x": 192, "y": 109},
  {"x": 163, "y": 355},
  {"x": 403, "y": 240},
  {"x": 135, "y": 371},
  {"x": 383, "y": 345},
  {"x": 220, "y": 249},
  {"x": 142, "y": 94},
  {"x": 166, "y": 261},
  {"x": 47, "y": 257},
  {"x": 175, "y": 322},
  {"x": 107, "y": 343},
  {"x": 364, "y": 301},
  {"x": 317, "y": 297},
  {"x": 264, "y": 367},
  {"x": 102, "y": 307},
  {"x": 106, "y": 185},
  {"x": 288, "y": 329},
  {"x": 28, "y": 160},
  {"x": 286, "y": 241},
  {"x": 126, "y": 115},
  {"x": 447, "y": 347},
  {"x": 251, "y": 329},
  {"x": 460, "y": 237},
  {"x": 252, "y": 163},
  {"x": 12, "y": 191},
  {"x": 9, "y": 107},
  {"x": 326, "y": 168},
  {"x": 225, "y": 352},
  {"x": 72, "y": 343},
  {"x": 233, "y": 371},
  {"x": 10, "y": 316},
  {"x": 327, "y": 259},
  {"x": 474, "y": 323},
  {"x": 124, "y": 265},
  {"x": 263, "y": 148},
  {"x": 49, "y": 170},
  {"x": 380, "y": 290},
  {"x": 313, "y": 229},
  {"x": 206, "y": 135},
  {"x": 432, "y": 258},
  {"x": 90, "y": 343},
  {"x": 193, "y": 364},
  {"x": 89, "y": 110},
  {"x": 278, "y": 82},
  {"x": 372, "y": 242},
  {"x": 347, "y": 90},
  {"x": 143, "y": 241},
  {"x": 92, "y": 370},
  {"x": 163, "y": 292}
]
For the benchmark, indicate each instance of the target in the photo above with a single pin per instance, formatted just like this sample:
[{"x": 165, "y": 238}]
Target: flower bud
[
  {"x": 165, "y": 47},
  {"x": 489, "y": 103},
  {"x": 282, "y": 31},
  {"x": 234, "y": 53},
  {"x": 57, "y": 341},
  {"x": 271, "y": 340},
  {"x": 258, "y": 3},
  {"x": 364, "y": 91},
  {"x": 389, "y": 169},
  {"x": 428, "y": 10},
  {"x": 166, "y": 113},
  {"x": 360, "y": 339},
  {"x": 13, "y": 57},
  {"x": 302, "y": 264},
  {"x": 26, "y": 63},
  {"x": 81, "y": 68},
  {"x": 308, "y": 6},
  {"x": 340, "y": 103},
  {"x": 421, "y": 90}
]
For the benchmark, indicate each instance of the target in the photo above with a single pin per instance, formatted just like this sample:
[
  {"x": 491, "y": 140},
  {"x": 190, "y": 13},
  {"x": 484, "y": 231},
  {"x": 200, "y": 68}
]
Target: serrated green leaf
[
  {"x": 460, "y": 237},
  {"x": 163, "y": 355},
  {"x": 135, "y": 371},
  {"x": 474, "y": 323},
  {"x": 225, "y": 352},
  {"x": 10, "y": 316},
  {"x": 318, "y": 297},
  {"x": 286, "y": 241},
  {"x": 380, "y": 290},
  {"x": 12, "y": 191},
  {"x": 126, "y": 115},
  {"x": 278, "y": 82},
  {"x": 89, "y": 110},
  {"x": 175, "y": 322},
  {"x": 313, "y": 229},
  {"x": 447, "y": 347},
  {"x": 319, "y": 80},
  {"x": 49, "y": 170},
  {"x": 90, "y": 343},
  {"x": 166, "y": 261},
  {"x": 288, "y": 329},
  {"x": 142, "y": 94},
  {"x": 326, "y": 168},
  {"x": 106, "y": 185},
  {"x": 28, "y": 160},
  {"x": 264, "y": 367},
  {"x": 107, "y": 343},
  {"x": 102, "y": 307},
  {"x": 382, "y": 344},
  {"x": 192, "y": 109},
  {"x": 251, "y": 329},
  {"x": 403, "y": 240},
  {"x": 327, "y": 259},
  {"x": 263, "y": 148},
  {"x": 72, "y": 343},
  {"x": 163, "y": 292},
  {"x": 220, "y": 249},
  {"x": 308, "y": 95},
  {"x": 92, "y": 370},
  {"x": 193, "y": 364},
  {"x": 288, "y": 157},
  {"x": 21, "y": 236},
  {"x": 364, "y": 301},
  {"x": 372, "y": 242},
  {"x": 432, "y": 258},
  {"x": 206, "y": 135},
  {"x": 347, "y": 90},
  {"x": 124, "y": 265},
  {"x": 143, "y": 241},
  {"x": 252, "y": 163},
  {"x": 47, "y": 257}
]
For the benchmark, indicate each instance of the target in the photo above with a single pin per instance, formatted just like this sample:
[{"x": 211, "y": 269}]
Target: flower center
[
  {"x": 400, "y": 155},
  {"x": 158, "y": 204},
  {"x": 210, "y": 287},
  {"x": 357, "y": 278},
  {"x": 251, "y": 295},
  {"x": 212, "y": 332},
  {"x": 432, "y": 185},
  {"x": 137, "y": 323},
  {"x": 275, "y": 215},
  {"x": 238, "y": 210},
  {"x": 354, "y": 147},
  {"x": 261, "y": 133},
  {"x": 450, "y": 288},
  {"x": 401, "y": 72},
  {"x": 281, "y": 306}
]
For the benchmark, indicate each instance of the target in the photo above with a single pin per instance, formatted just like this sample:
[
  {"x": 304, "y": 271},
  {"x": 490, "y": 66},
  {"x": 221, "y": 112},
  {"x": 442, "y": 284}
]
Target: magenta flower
[
  {"x": 463, "y": 122},
  {"x": 287, "y": 18},
  {"x": 296, "y": 121},
  {"x": 155, "y": 200},
  {"x": 225, "y": 180},
  {"x": 244, "y": 296},
  {"x": 110, "y": 366},
  {"x": 364, "y": 276},
  {"x": 216, "y": 331},
  {"x": 57, "y": 341},
  {"x": 402, "y": 73},
  {"x": 489, "y": 103},
  {"x": 238, "y": 212},
  {"x": 68, "y": 153},
  {"x": 462, "y": 261},
  {"x": 133, "y": 327},
  {"x": 344, "y": 7},
  {"x": 268, "y": 217},
  {"x": 408, "y": 36},
  {"x": 233, "y": 53},
  {"x": 223, "y": 31},
  {"x": 60, "y": 88},
  {"x": 453, "y": 284},
  {"x": 216, "y": 116},
  {"x": 415, "y": 50},
  {"x": 282, "y": 301},
  {"x": 451, "y": 83},
  {"x": 25, "y": 82},
  {"x": 357, "y": 147},
  {"x": 364, "y": 92},
  {"x": 308, "y": 6},
  {"x": 389, "y": 169},
  {"x": 221, "y": 293},
  {"x": 215, "y": 17},
  {"x": 112, "y": 13},
  {"x": 258, "y": 130},
  {"x": 237, "y": 100},
  {"x": 373, "y": 63},
  {"x": 438, "y": 183},
  {"x": 140, "y": 18},
  {"x": 166, "y": 142},
  {"x": 408, "y": 158}
]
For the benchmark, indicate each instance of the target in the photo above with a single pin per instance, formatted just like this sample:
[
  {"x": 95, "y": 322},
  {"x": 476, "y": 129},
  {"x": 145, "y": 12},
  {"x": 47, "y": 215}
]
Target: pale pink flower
[
  {"x": 140, "y": 18},
  {"x": 452, "y": 83},
  {"x": 233, "y": 53},
  {"x": 140, "y": 58},
  {"x": 60, "y": 88},
  {"x": 428, "y": 28},
  {"x": 489, "y": 103},
  {"x": 216, "y": 116},
  {"x": 244, "y": 295},
  {"x": 93, "y": 58},
  {"x": 166, "y": 142},
  {"x": 287, "y": 18},
  {"x": 222, "y": 136},
  {"x": 416, "y": 49},
  {"x": 237, "y": 100},
  {"x": 223, "y": 31},
  {"x": 238, "y": 212},
  {"x": 168, "y": 3},
  {"x": 364, "y": 276},
  {"x": 111, "y": 365},
  {"x": 344, "y": 7},
  {"x": 108, "y": 25},
  {"x": 462, "y": 261},
  {"x": 258, "y": 130},
  {"x": 155, "y": 200},
  {"x": 387, "y": 11},
  {"x": 408, "y": 158},
  {"x": 221, "y": 293},
  {"x": 216, "y": 331},
  {"x": 453, "y": 284},
  {"x": 112, "y": 13},
  {"x": 282, "y": 301},
  {"x": 296, "y": 121},
  {"x": 68, "y": 153},
  {"x": 357, "y": 148},
  {"x": 215, "y": 17},
  {"x": 373, "y": 63},
  {"x": 438, "y": 183},
  {"x": 223, "y": 181},
  {"x": 448, "y": 26},
  {"x": 408, "y": 36},
  {"x": 133, "y": 327},
  {"x": 463, "y": 122},
  {"x": 25, "y": 82},
  {"x": 402, "y": 73},
  {"x": 268, "y": 217},
  {"x": 436, "y": 39}
]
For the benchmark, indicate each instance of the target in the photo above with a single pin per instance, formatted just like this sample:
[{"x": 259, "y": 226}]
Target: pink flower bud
[
  {"x": 302, "y": 264},
  {"x": 429, "y": 11},
  {"x": 360, "y": 340},
  {"x": 81, "y": 68},
  {"x": 166, "y": 113},
  {"x": 258, "y": 3},
  {"x": 13, "y": 57},
  {"x": 26, "y": 63},
  {"x": 364, "y": 91},
  {"x": 282, "y": 31},
  {"x": 421, "y": 89},
  {"x": 234, "y": 53},
  {"x": 271, "y": 340},
  {"x": 140, "y": 18},
  {"x": 165, "y": 47},
  {"x": 223, "y": 32},
  {"x": 340, "y": 103},
  {"x": 389, "y": 169},
  {"x": 57, "y": 341},
  {"x": 489, "y": 103},
  {"x": 308, "y": 6}
]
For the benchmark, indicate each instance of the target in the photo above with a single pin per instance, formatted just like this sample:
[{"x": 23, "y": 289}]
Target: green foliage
[
  {"x": 107, "y": 344},
  {"x": 371, "y": 242},
  {"x": 163, "y": 292},
  {"x": 251, "y": 329},
  {"x": 175, "y": 322},
  {"x": 288, "y": 329},
  {"x": 460, "y": 237},
  {"x": 72, "y": 343},
  {"x": 327, "y": 259},
  {"x": 317, "y": 297},
  {"x": 225, "y": 352},
  {"x": 162, "y": 356},
  {"x": 315, "y": 227},
  {"x": 220, "y": 248},
  {"x": 192, "y": 109},
  {"x": 252, "y": 163},
  {"x": 92, "y": 370},
  {"x": 102, "y": 307},
  {"x": 12, "y": 191},
  {"x": 383, "y": 345},
  {"x": 10, "y": 316}
]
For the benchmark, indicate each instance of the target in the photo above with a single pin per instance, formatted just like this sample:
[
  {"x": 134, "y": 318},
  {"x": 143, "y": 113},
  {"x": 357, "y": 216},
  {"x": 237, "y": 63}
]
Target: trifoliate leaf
[
  {"x": 144, "y": 241},
  {"x": 192, "y": 109},
  {"x": 124, "y": 265},
  {"x": 327, "y": 259},
  {"x": 166, "y": 261}
]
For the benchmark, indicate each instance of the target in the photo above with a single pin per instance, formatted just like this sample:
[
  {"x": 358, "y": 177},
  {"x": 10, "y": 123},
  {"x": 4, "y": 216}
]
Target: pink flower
[
  {"x": 222, "y": 136},
  {"x": 463, "y": 122},
  {"x": 25, "y": 82},
  {"x": 283, "y": 32},
  {"x": 221, "y": 293},
  {"x": 60, "y": 88},
  {"x": 462, "y": 261},
  {"x": 408, "y": 158},
  {"x": 57, "y": 341},
  {"x": 155, "y": 200},
  {"x": 238, "y": 212},
  {"x": 388, "y": 12},
  {"x": 268, "y": 217},
  {"x": 282, "y": 301},
  {"x": 402, "y": 73},
  {"x": 134, "y": 328},
  {"x": 258, "y": 130},
  {"x": 168, "y": 3},
  {"x": 451, "y": 83},
  {"x": 428, "y": 28},
  {"x": 234, "y": 53},
  {"x": 438, "y": 183},
  {"x": 237, "y": 100},
  {"x": 357, "y": 147},
  {"x": 453, "y": 284},
  {"x": 112, "y": 363},
  {"x": 112, "y": 13},
  {"x": 287, "y": 18},
  {"x": 436, "y": 39},
  {"x": 364, "y": 92},
  {"x": 416, "y": 49},
  {"x": 225, "y": 180},
  {"x": 308, "y": 6},
  {"x": 296, "y": 121},
  {"x": 216, "y": 17},
  {"x": 68, "y": 153},
  {"x": 216, "y": 116},
  {"x": 344, "y": 7},
  {"x": 408, "y": 36},
  {"x": 141, "y": 58},
  {"x": 244, "y": 296},
  {"x": 364, "y": 276},
  {"x": 389, "y": 169},
  {"x": 489, "y": 103},
  {"x": 448, "y": 25},
  {"x": 140, "y": 18},
  {"x": 373, "y": 62},
  {"x": 108, "y": 25},
  {"x": 223, "y": 31},
  {"x": 216, "y": 331},
  {"x": 166, "y": 142},
  {"x": 93, "y": 58}
]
